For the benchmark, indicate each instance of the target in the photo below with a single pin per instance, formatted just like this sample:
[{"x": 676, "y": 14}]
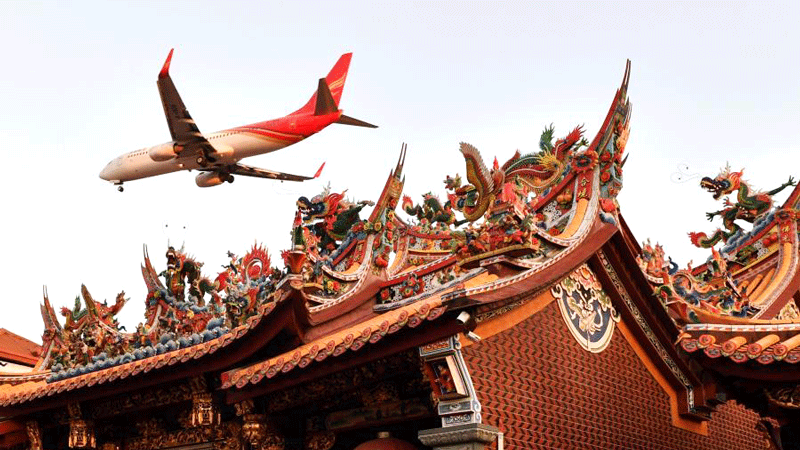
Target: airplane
[{"x": 217, "y": 155}]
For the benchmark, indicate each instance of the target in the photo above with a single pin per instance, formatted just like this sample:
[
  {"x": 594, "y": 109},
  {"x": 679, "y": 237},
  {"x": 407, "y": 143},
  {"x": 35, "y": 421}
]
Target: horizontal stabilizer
[
  {"x": 325, "y": 102},
  {"x": 347, "y": 120}
]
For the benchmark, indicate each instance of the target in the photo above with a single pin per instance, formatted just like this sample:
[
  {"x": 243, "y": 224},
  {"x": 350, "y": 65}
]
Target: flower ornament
[{"x": 585, "y": 161}]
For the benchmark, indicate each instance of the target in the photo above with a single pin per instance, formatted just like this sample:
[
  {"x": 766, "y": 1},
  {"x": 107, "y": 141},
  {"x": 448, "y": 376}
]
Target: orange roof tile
[
  {"x": 742, "y": 343},
  {"x": 350, "y": 339},
  {"x": 17, "y": 349}
]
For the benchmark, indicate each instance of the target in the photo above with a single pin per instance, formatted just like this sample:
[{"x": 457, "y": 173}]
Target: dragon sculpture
[
  {"x": 749, "y": 205},
  {"x": 535, "y": 172},
  {"x": 168, "y": 307},
  {"x": 179, "y": 305},
  {"x": 247, "y": 282},
  {"x": 431, "y": 211},
  {"x": 328, "y": 218},
  {"x": 182, "y": 271},
  {"x": 714, "y": 291}
]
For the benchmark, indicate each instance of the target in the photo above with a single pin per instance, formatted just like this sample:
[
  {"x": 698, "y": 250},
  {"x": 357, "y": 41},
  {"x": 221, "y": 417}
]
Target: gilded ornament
[
  {"x": 34, "y": 434},
  {"x": 203, "y": 411},
  {"x": 81, "y": 434},
  {"x": 254, "y": 429}
]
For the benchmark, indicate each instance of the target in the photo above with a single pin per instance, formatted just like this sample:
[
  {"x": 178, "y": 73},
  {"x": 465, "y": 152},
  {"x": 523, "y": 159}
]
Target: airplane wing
[
  {"x": 181, "y": 126},
  {"x": 249, "y": 171}
]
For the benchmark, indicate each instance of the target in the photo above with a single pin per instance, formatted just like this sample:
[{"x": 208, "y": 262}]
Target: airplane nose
[{"x": 108, "y": 172}]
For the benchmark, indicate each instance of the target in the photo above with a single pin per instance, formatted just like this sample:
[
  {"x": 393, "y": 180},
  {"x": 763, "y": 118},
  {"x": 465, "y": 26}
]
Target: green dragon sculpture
[
  {"x": 431, "y": 211},
  {"x": 329, "y": 217},
  {"x": 749, "y": 205}
]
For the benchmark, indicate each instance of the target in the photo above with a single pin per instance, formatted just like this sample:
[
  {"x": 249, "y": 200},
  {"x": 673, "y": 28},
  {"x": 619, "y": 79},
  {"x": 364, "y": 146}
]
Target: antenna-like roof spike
[
  {"x": 627, "y": 77},
  {"x": 401, "y": 160}
]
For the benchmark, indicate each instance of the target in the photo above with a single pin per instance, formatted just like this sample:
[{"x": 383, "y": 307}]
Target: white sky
[{"x": 711, "y": 82}]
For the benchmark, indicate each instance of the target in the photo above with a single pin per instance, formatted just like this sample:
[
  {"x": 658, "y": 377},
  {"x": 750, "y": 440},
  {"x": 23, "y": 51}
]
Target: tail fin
[
  {"x": 327, "y": 105},
  {"x": 330, "y": 89}
]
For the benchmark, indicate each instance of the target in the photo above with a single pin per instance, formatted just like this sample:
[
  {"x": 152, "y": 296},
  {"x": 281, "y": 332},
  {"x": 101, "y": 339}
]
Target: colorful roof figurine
[
  {"x": 753, "y": 278},
  {"x": 737, "y": 312},
  {"x": 382, "y": 316}
]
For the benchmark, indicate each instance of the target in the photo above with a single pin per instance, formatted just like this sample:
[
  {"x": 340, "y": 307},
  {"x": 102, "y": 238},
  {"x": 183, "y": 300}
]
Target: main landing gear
[{"x": 204, "y": 158}]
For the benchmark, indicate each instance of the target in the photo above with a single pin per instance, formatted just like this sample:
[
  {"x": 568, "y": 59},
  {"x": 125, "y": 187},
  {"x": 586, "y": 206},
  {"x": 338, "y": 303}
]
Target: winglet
[
  {"x": 165, "y": 70},
  {"x": 319, "y": 171}
]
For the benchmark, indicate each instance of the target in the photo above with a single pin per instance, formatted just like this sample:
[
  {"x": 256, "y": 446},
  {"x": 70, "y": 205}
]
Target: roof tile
[
  {"x": 350, "y": 339},
  {"x": 17, "y": 349},
  {"x": 747, "y": 344}
]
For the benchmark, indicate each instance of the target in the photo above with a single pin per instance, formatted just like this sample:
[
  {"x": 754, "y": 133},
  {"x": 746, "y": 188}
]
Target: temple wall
[{"x": 545, "y": 392}]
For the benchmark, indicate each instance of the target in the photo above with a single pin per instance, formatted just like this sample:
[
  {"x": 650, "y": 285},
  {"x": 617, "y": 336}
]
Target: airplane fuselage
[{"x": 231, "y": 146}]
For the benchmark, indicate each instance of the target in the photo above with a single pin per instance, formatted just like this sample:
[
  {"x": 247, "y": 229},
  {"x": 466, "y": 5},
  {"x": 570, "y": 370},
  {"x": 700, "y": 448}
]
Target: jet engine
[
  {"x": 208, "y": 179},
  {"x": 164, "y": 152}
]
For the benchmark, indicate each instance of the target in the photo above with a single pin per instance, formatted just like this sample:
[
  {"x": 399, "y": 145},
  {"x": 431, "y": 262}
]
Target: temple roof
[{"x": 17, "y": 349}]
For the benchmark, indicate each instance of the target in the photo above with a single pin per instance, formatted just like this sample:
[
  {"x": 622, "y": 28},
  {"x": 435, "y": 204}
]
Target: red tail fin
[{"x": 335, "y": 83}]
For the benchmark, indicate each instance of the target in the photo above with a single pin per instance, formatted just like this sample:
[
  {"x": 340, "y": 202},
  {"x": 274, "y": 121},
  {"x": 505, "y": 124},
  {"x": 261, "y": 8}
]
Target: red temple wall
[{"x": 545, "y": 392}]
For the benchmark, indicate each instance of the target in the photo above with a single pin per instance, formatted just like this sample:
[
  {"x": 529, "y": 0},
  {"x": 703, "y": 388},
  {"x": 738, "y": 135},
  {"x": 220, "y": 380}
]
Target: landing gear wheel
[
  {"x": 120, "y": 188},
  {"x": 229, "y": 179},
  {"x": 202, "y": 161}
]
